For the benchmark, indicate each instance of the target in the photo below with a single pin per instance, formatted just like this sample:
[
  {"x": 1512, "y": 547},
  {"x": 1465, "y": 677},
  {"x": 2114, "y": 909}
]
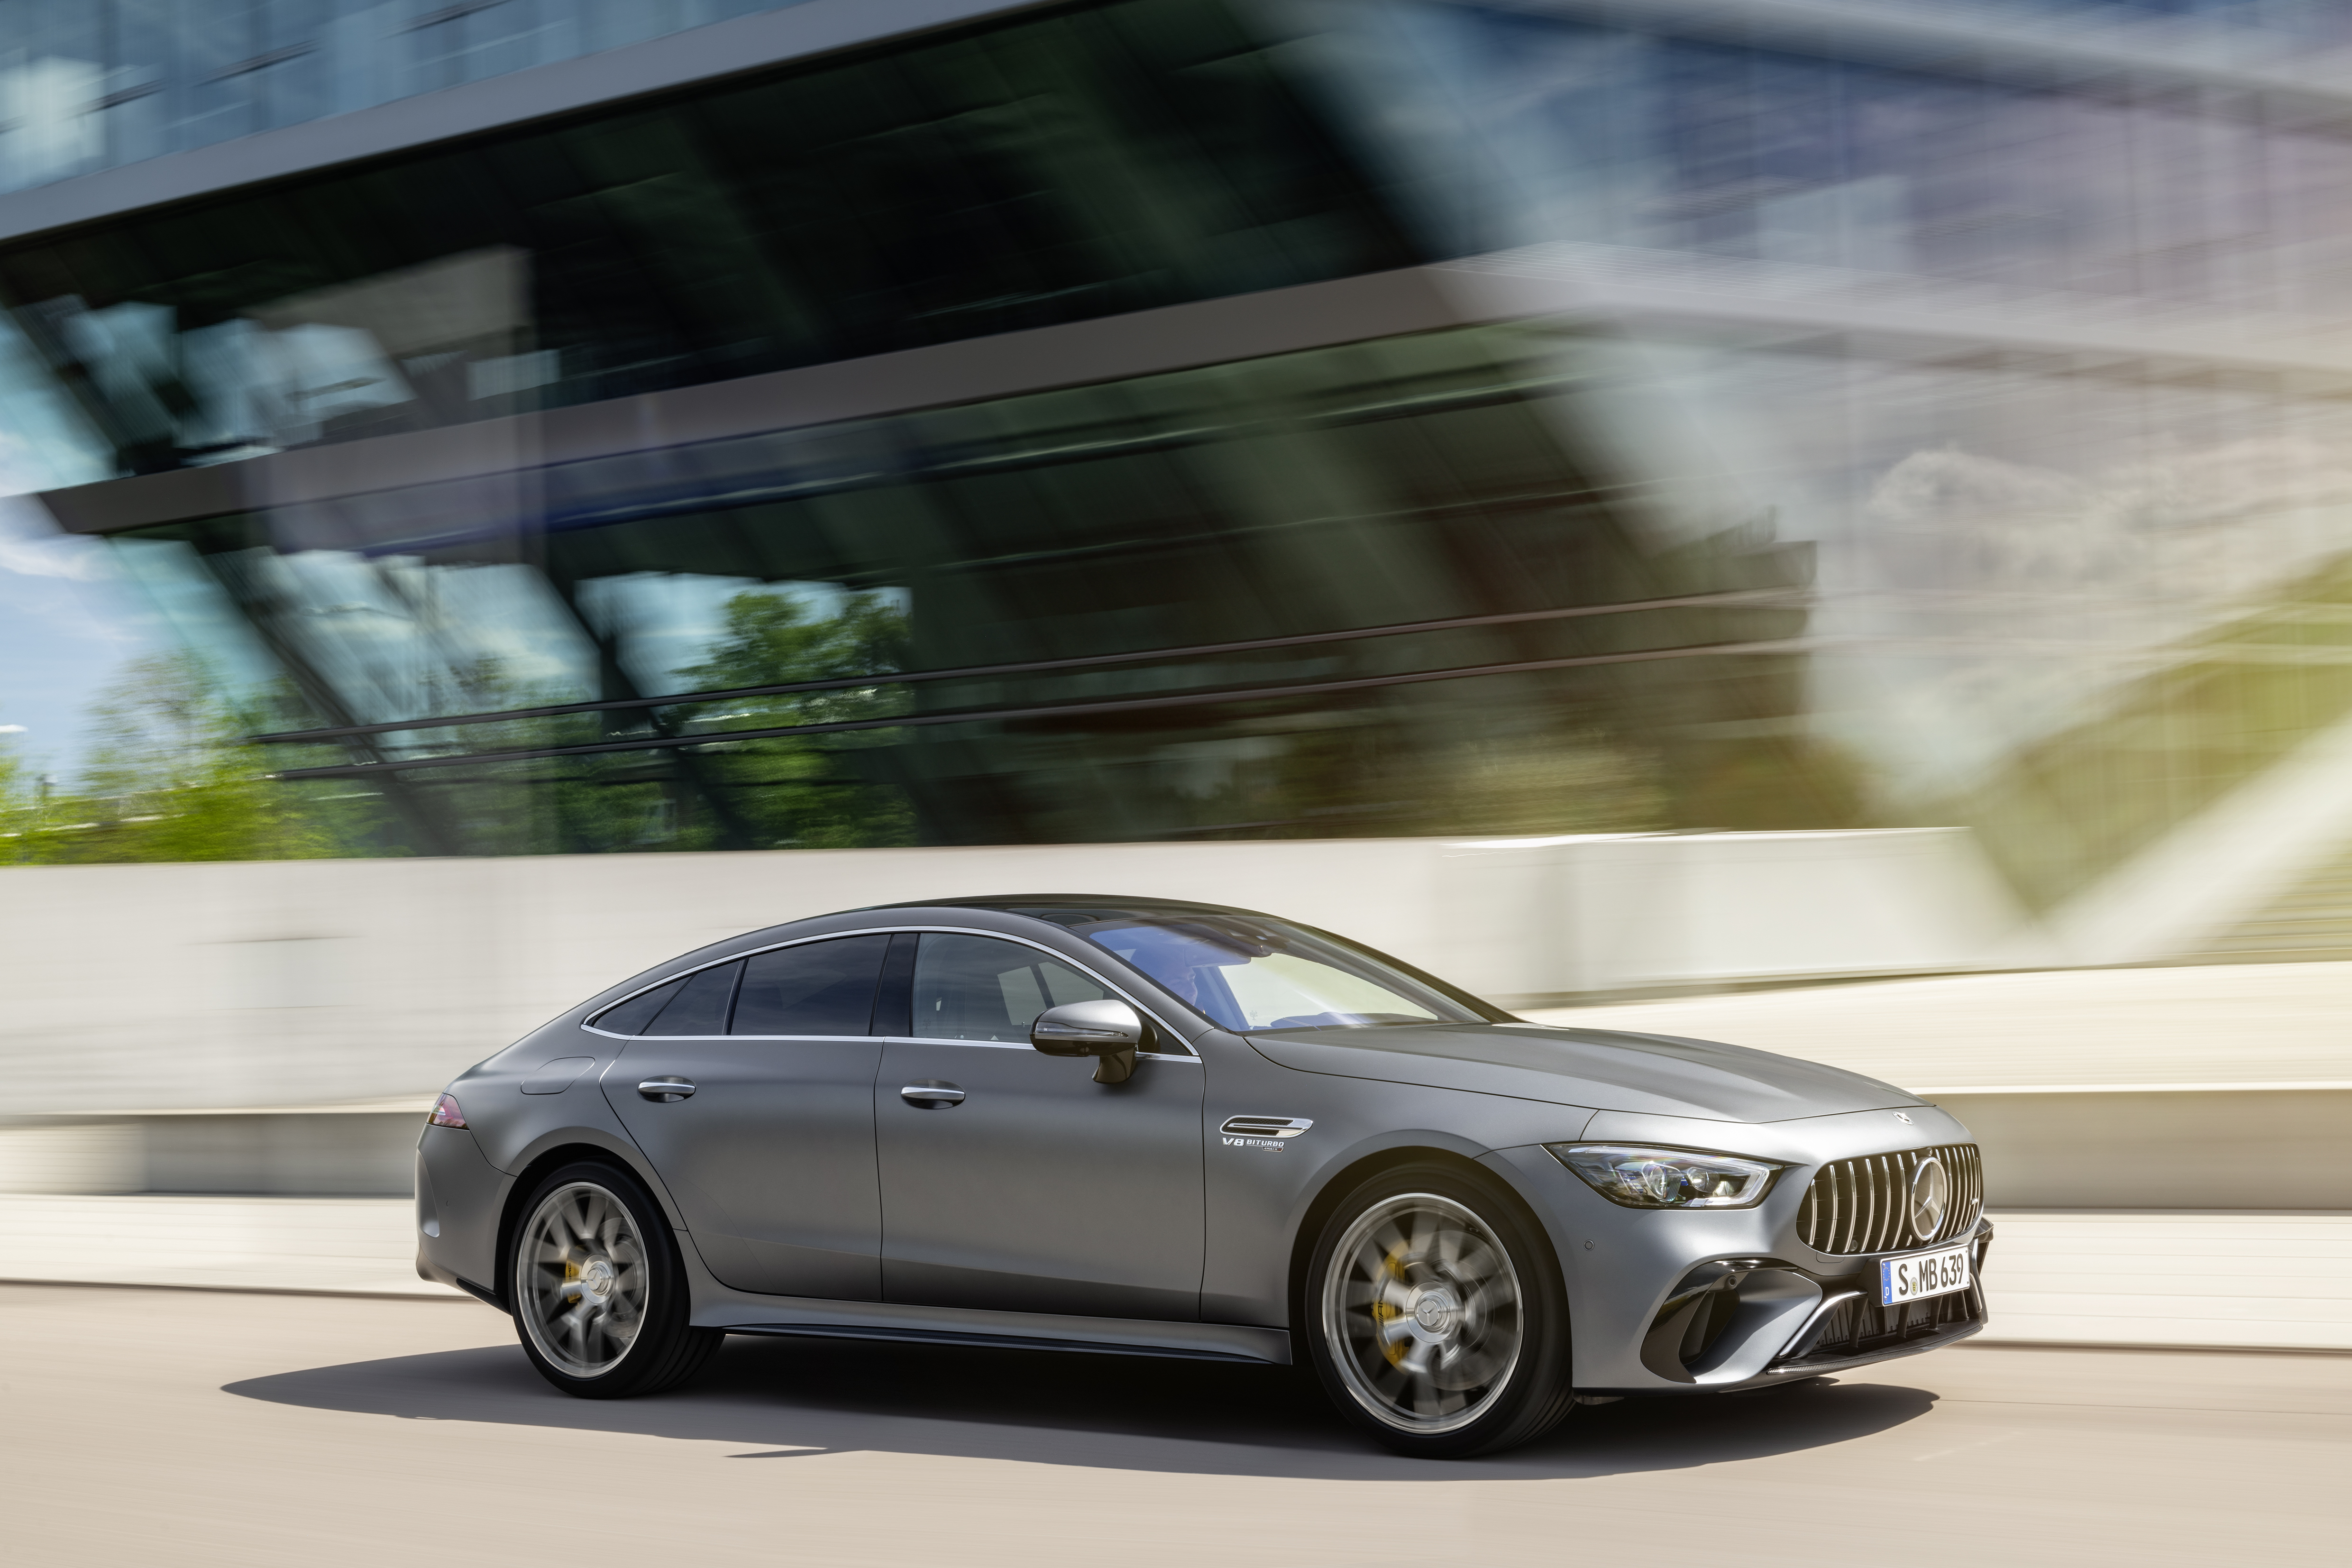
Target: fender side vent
[{"x": 1264, "y": 1126}]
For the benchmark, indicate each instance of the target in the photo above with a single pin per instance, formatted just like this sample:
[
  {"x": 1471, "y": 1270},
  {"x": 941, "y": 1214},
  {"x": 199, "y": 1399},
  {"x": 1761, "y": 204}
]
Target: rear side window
[
  {"x": 631, "y": 1016},
  {"x": 700, "y": 1006},
  {"x": 816, "y": 988}
]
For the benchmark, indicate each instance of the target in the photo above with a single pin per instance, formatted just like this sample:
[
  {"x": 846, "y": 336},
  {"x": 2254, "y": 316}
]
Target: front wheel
[
  {"x": 1436, "y": 1316},
  {"x": 599, "y": 1291}
]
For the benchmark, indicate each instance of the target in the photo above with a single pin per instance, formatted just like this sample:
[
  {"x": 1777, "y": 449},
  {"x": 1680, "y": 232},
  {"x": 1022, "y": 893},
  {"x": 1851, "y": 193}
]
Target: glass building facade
[
  {"x": 1059, "y": 169},
  {"x": 1209, "y": 601},
  {"x": 1164, "y": 418},
  {"x": 96, "y": 84}
]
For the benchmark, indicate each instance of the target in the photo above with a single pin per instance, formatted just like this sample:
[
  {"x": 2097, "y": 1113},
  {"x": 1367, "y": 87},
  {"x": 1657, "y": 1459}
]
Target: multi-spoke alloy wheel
[
  {"x": 1425, "y": 1307},
  {"x": 598, "y": 1289},
  {"x": 581, "y": 1279},
  {"x": 1437, "y": 1315}
]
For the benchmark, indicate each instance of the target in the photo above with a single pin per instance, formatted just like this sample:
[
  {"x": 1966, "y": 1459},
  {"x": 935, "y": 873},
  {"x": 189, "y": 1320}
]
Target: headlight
[{"x": 1668, "y": 1178}]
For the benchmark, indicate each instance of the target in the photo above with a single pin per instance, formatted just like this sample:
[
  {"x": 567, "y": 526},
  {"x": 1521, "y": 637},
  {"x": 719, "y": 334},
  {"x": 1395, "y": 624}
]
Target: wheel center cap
[
  {"x": 596, "y": 1278},
  {"x": 1435, "y": 1311}
]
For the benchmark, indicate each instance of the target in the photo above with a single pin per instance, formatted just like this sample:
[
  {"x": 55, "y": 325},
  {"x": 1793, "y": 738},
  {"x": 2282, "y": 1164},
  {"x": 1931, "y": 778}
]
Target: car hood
[{"x": 1600, "y": 1070}]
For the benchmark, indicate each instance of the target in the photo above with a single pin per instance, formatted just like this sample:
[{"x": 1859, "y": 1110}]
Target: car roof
[{"x": 1109, "y": 904}]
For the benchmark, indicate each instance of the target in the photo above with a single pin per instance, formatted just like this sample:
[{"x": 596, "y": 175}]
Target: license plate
[{"x": 1924, "y": 1274}]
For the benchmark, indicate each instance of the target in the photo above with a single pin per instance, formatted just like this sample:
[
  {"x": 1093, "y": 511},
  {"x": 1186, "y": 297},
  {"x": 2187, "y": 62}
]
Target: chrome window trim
[
  {"x": 1188, "y": 1054},
  {"x": 981, "y": 1045}
]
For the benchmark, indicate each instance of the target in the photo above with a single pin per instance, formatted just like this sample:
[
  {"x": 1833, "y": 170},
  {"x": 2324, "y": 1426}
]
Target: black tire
[
  {"x": 598, "y": 1287},
  {"x": 1436, "y": 1315}
]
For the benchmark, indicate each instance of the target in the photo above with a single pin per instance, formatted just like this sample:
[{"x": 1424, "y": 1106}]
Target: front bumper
[
  {"x": 1730, "y": 1324},
  {"x": 1849, "y": 1329},
  {"x": 1684, "y": 1301}
]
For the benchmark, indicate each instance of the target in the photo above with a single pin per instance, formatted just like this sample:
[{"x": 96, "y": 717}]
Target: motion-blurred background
[{"x": 1658, "y": 510}]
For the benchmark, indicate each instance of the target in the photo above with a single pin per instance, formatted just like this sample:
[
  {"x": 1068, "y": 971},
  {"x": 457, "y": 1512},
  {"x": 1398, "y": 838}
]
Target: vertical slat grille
[
  {"x": 1895, "y": 1217},
  {"x": 1868, "y": 1202},
  {"x": 1864, "y": 1205},
  {"x": 1832, "y": 1186},
  {"x": 1882, "y": 1200}
]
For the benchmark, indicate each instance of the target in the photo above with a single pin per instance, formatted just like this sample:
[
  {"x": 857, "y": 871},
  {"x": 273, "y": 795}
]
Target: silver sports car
[{"x": 1169, "y": 1129}]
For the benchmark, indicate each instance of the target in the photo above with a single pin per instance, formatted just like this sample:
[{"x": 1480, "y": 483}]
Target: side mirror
[{"x": 1108, "y": 1031}]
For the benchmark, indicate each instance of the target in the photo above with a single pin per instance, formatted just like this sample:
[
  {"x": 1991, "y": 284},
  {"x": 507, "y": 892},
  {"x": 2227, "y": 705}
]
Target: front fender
[{"x": 1261, "y": 1193}]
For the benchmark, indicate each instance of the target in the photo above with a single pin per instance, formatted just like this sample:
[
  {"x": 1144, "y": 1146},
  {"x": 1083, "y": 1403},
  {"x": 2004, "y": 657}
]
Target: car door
[
  {"x": 1011, "y": 1179},
  {"x": 751, "y": 1090}
]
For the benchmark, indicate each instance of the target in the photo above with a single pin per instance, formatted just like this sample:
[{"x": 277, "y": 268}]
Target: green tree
[
  {"x": 771, "y": 639},
  {"x": 167, "y": 780},
  {"x": 834, "y": 791},
  {"x": 19, "y": 799}
]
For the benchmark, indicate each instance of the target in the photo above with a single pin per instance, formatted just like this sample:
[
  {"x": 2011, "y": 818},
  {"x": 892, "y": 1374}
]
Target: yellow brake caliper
[{"x": 1385, "y": 1311}]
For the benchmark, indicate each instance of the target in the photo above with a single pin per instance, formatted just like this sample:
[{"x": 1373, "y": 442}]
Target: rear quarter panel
[{"x": 513, "y": 1128}]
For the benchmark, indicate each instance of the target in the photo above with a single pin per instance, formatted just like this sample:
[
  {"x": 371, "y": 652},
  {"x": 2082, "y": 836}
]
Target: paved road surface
[{"x": 148, "y": 1426}]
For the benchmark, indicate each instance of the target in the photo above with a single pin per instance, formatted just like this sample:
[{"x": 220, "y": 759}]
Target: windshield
[{"x": 1249, "y": 972}]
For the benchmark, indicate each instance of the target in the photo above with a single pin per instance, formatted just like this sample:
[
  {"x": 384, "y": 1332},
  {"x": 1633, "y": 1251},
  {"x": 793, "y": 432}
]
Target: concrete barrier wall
[
  {"x": 2180, "y": 1149},
  {"x": 314, "y": 982},
  {"x": 342, "y": 1152},
  {"x": 1663, "y": 912},
  {"x": 279, "y": 1028}
]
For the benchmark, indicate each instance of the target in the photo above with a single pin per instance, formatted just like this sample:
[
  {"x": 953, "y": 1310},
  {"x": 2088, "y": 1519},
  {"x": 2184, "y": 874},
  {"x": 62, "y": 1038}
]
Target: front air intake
[{"x": 1870, "y": 1204}]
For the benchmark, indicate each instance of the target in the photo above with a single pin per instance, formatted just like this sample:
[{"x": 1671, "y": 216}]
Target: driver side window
[{"x": 981, "y": 988}]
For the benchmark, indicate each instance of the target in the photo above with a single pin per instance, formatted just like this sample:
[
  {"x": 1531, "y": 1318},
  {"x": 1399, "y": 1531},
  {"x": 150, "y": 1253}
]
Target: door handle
[
  {"x": 931, "y": 1096},
  {"x": 664, "y": 1090}
]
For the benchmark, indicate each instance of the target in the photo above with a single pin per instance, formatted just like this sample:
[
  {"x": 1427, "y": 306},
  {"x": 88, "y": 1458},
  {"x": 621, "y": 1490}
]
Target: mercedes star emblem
[{"x": 1931, "y": 1194}]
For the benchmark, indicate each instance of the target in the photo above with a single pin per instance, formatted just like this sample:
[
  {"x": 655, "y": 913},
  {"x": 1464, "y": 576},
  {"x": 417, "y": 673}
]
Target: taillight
[{"x": 446, "y": 1114}]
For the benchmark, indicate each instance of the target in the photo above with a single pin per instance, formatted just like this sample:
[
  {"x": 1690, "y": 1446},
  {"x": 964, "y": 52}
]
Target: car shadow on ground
[{"x": 789, "y": 1398}]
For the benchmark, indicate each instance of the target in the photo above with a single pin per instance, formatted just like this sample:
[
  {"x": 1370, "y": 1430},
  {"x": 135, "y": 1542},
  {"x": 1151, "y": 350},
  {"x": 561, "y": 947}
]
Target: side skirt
[
  {"x": 996, "y": 1341},
  {"x": 746, "y": 1314},
  {"x": 716, "y": 1306}
]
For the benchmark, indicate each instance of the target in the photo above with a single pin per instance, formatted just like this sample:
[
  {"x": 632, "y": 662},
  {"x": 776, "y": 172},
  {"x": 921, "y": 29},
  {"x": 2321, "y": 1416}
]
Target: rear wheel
[
  {"x": 1436, "y": 1316},
  {"x": 599, "y": 1291}
]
